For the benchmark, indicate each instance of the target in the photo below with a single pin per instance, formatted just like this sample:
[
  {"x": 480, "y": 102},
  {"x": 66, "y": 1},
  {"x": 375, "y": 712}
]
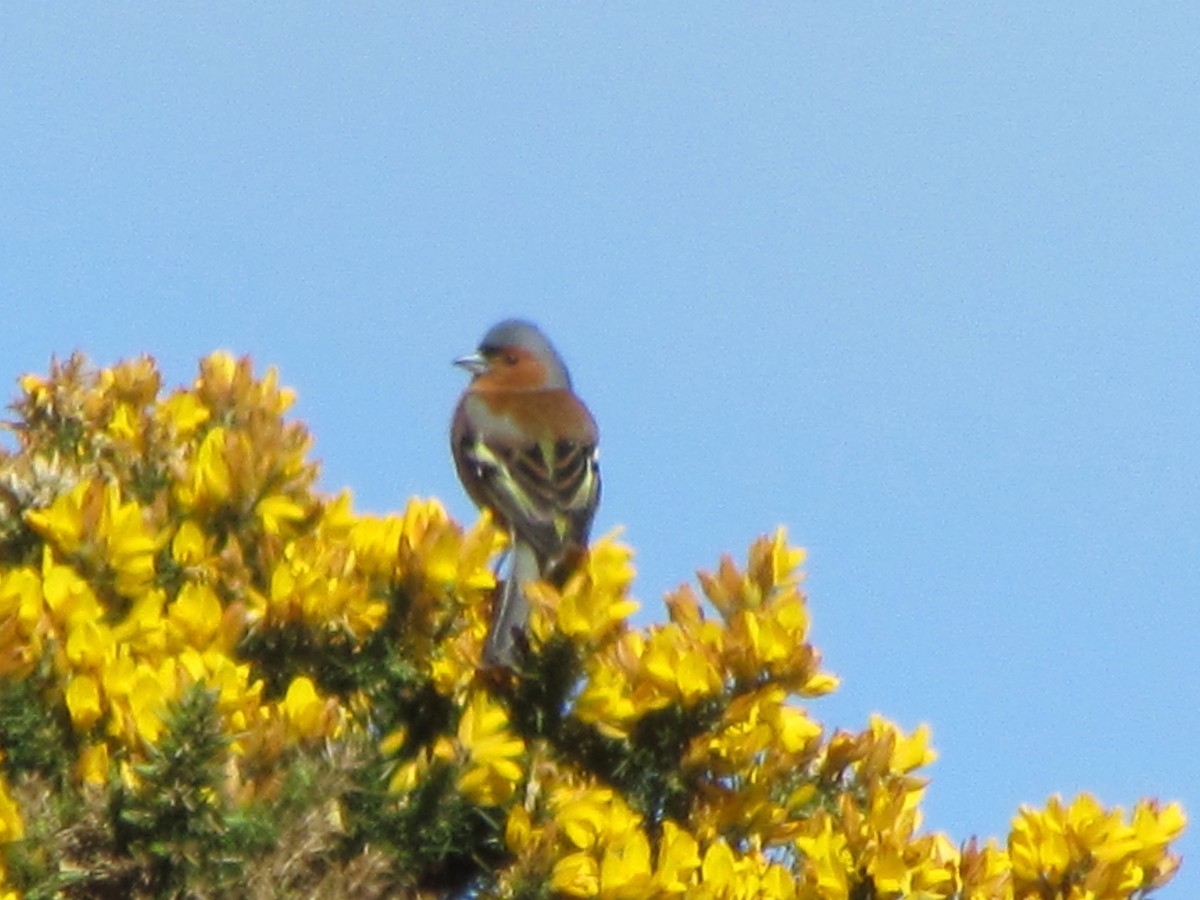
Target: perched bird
[{"x": 525, "y": 448}]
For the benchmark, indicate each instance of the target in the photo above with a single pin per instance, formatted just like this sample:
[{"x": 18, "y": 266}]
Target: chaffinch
[{"x": 525, "y": 448}]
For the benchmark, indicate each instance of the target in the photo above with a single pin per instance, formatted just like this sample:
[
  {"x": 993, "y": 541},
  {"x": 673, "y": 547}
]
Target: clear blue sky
[{"x": 919, "y": 281}]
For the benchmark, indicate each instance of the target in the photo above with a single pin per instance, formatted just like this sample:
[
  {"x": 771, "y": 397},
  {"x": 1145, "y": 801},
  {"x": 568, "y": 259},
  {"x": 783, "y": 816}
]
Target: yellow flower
[
  {"x": 607, "y": 697},
  {"x": 89, "y": 644},
  {"x": 375, "y": 542},
  {"x": 92, "y": 767},
  {"x": 719, "y": 869},
  {"x": 277, "y": 512},
  {"x": 1115, "y": 856},
  {"x": 1038, "y": 843},
  {"x": 83, "y": 701},
  {"x": 239, "y": 695},
  {"x": 828, "y": 862},
  {"x": 67, "y": 595},
  {"x": 679, "y": 666},
  {"x": 33, "y": 385},
  {"x": 144, "y": 630},
  {"x": 912, "y": 752},
  {"x": 794, "y": 731},
  {"x": 210, "y": 482},
  {"x": 986, "y": 872},
  {"x": 887, "y": 751},
  {"x": 435, "y": 553},
  {"x": 91, "y": 520},
  {"x": 182, "y": 413},
  {"x": 12, "y": 828},
  {"x": 132, "y": 381},
  {"x": 774, "y": 563},
  {"x": 189, "y": 547},
  {"x": 678, "y": 860},
  {"x": 1155, "y": 826},
  {"x": 306, "y": 713},
  {"x": 597, "y": 825},
  {"x": 625, "y": 867},
  {"x": 408, "y": 775},
  {"x": 493, "y": 767},
  {"x": 21, "y": 597},
  {"x": 65, "y": 522},
  {"x": 195, "y": 614},
  {"x": 21, "y": 610},
  {"x": 576, "y": 875},
  {"x": 593, "y": 603},
  {"x": 1084, "y": 844},
  {"x": 125, "y": 423},
  {"x": 218, "y": 372},
  {"x": 129, "y": 543},
  {"x": 140, "y": 692},
  {"x": 584, "y": 815},
  {"x": 755, "y": 723},
  {"x": 518, "y": 829}
]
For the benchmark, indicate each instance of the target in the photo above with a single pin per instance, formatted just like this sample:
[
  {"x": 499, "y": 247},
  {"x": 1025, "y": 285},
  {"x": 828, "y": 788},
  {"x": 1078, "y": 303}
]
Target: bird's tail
[{"x": 510, "y": 614}]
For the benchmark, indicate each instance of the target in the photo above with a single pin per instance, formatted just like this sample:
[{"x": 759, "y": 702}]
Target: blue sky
[{"x": 919, "y": 282}]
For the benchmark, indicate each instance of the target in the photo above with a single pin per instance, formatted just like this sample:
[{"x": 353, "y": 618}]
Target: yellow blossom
[
  {"x": 1038, "y": 843},
  {"x": 189, "y": 546},
  {"x": 718, "y": 869},
  {"x": 277, "y": 512},
  {"x": 576, "y": 875},
  {"x": 132, "y": 381},
  {"x": 607, "y": 697},
  {"x": 593, "y": 602},
  {"x": 1155, "y": 825},
  {"x": 144, "y": 630},
  {"x": 89, "y": 644},
  {"x": 125, "y": 423},
  {"x": 21, "y": 596},
  {"x": 584, "y": 816},
  {"x": 493, "y": 767},
  {"x": 306, "y": 714},
  {"x": 83, "y": 701},
  {"x": 985, "y": 871},
  {"x": 210, "y": 483},
  {"x": 625, "y": 872},
  {"x": 91, "y": 520},
  {"x": 21, "y": 608},
  {"x": 92, "y": 767},
  {"x": 146, "y": 690},
  {"x": 680, "y": 666},
  {"x": 1084, "y": 843},
  {"x": 64, "y": 522},
  {"x": 439, "y": 557},
  {"x": 195, "y": 615},
  {"x": 375, "y": 542},
  {"x": 12, "y": 828},
  {"x": 678, "y": 860},
  {"x": 129, "y": 543},
  {"x": 183, "y": 412},
  {"x": 518, "y": 829},
  {"x": 827, "y": 858},
  {"x": 912, "y": 752},
  {"x": 67, "y": 595}
]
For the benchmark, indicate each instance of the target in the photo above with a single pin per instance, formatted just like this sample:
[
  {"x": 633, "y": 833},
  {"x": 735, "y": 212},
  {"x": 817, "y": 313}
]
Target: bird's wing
[{"x": 547, "y": 491}]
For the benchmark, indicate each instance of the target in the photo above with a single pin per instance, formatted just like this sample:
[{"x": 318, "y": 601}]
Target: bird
[{"x": 525, "y": 448}]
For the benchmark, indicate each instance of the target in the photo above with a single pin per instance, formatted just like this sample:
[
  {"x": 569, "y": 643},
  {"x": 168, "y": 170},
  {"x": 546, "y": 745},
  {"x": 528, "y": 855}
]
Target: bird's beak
[{"x": 475, "y": 363}]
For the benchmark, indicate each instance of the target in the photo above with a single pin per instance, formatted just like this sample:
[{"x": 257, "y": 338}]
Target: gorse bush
[{"x": 216, "y": 681}]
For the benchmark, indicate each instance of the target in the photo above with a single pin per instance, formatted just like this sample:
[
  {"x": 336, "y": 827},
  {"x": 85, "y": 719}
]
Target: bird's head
[{"x": 515, "y": 355}]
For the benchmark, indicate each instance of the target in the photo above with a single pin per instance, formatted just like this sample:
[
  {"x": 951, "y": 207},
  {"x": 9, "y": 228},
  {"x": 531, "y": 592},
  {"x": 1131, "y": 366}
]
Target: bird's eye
[{"x": 510, "y": 359}]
